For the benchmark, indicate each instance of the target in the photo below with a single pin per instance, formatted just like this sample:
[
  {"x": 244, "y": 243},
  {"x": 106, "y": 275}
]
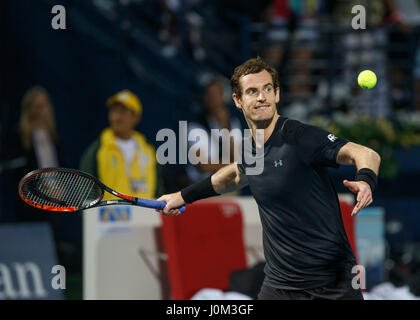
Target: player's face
[
  {"x": 122, "y": 120},
  {"x": 259, "y": 99}
]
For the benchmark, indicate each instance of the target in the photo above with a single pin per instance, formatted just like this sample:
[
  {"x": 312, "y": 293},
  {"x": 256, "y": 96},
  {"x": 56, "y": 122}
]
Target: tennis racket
[{"x": 70, "y": 190}]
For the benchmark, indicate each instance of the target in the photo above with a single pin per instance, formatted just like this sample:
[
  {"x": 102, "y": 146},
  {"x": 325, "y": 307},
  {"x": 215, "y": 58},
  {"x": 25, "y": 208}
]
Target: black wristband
[
  {"x": 199, "y": 190},
  {"x": 367, "y": 175}
]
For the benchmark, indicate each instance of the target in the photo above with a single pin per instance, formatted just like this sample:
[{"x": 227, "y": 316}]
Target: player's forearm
[
  {"x": 368, "y": 159},
  {"x": 224, "y": 180},
  {"x": 227, "y": 179},
  {"x": 209, "y": 167},
  {"x": 360, "y": 156}
]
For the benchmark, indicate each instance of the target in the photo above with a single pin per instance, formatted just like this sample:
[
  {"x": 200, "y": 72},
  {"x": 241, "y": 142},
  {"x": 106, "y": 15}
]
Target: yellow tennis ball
[{"x": 367, "y": 79}]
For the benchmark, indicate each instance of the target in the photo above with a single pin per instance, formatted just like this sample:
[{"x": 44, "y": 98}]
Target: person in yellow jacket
[{"x": 121, "y": 157}]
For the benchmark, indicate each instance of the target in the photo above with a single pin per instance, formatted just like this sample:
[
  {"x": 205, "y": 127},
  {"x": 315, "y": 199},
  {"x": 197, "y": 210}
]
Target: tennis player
[{"x": 307, "y": 253}]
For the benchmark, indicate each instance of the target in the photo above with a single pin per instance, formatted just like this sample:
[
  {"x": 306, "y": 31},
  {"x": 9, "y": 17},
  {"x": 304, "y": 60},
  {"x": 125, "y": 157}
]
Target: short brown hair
[{"x": 254, "y": 65}]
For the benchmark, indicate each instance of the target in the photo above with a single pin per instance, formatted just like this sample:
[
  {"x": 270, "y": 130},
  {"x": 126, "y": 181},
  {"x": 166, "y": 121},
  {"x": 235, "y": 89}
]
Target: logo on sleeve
[{"x": 332, "y": 137}]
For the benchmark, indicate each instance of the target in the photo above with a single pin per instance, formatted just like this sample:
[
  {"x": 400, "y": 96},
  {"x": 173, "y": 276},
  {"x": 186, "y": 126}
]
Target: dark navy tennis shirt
[{"x": 305, "y": 243}]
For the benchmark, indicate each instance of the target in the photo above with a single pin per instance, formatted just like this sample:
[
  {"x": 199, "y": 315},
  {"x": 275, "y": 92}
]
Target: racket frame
[{"x": 127, "y": 200}]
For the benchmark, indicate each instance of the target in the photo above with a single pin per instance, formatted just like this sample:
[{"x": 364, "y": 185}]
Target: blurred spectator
[
  {"x": 292, "y": 22},
  {"x": 170, "y": 28},
  {"x": 181, "y": 26},
  {"x": 121, "y": 157},
  {"x": 405, "y": 16},
  {"x": 214, "y": 115},
  {"x": 363, "y": 49},
  {"x": 290, "y": 44},
  {"x": 254, "y": 10},
  {"x": 417, "y": 76},
  {"x": 33, "y": 145}
]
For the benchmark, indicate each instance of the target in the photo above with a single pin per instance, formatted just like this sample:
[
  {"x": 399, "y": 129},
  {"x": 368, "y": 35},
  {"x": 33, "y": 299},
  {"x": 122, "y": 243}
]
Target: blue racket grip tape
[{"x": 154, "y": 204}]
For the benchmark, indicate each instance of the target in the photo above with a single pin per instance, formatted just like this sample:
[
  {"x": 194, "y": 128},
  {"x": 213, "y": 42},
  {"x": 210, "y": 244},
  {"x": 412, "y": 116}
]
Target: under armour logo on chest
[{"x": 278, "y": 163}]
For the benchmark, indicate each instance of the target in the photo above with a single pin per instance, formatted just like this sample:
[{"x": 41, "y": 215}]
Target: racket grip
[{"x": 154, "y": 204}]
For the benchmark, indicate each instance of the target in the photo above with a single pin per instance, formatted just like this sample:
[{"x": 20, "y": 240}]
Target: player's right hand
[{"x": 173, "y": 201}]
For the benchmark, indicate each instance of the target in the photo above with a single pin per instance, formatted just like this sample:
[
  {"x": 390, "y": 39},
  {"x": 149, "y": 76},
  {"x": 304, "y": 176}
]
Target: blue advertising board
[
  {"x": 370, "y": 235},
  {"x": 28, "y": 262}
]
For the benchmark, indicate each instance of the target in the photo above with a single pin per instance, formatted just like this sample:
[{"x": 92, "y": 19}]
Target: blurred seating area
[{"x": 166, "y": 50}]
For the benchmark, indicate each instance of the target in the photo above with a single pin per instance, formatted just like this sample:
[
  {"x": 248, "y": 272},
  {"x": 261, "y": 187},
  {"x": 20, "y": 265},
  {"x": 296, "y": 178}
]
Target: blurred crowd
[{"x": 316, "y": 51}]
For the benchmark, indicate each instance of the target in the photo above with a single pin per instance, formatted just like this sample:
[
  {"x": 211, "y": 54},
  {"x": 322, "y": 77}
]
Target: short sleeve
[{"x": 315, "y": 145}]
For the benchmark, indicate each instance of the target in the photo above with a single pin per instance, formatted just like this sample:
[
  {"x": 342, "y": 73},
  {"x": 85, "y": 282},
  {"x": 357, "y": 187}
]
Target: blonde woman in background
[
  {"x": 34, "y": 145},
  {"x": 37, "y": 127}
]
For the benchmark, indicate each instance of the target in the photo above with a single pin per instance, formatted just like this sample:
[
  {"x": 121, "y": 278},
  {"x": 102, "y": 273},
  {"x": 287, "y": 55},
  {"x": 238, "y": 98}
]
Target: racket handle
[{"x": 154, "y": 204}]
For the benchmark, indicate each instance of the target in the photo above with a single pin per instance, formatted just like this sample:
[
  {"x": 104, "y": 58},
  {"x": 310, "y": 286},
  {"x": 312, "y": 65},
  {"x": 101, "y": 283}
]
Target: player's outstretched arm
[
  {"x": 226, "y": 179},
  {"x": 367, "y": 162}
]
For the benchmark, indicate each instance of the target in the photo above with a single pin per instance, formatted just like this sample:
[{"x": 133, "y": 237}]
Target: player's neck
[{"x": 268, "y": 127}]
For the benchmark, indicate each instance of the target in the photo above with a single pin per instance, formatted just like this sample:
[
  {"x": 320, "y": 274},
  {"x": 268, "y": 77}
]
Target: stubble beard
[{"x": 260, "y": 123}]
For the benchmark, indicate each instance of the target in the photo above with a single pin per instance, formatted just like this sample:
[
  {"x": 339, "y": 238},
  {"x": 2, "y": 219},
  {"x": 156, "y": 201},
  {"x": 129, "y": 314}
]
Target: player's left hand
[{"x": 364, "y": 194}]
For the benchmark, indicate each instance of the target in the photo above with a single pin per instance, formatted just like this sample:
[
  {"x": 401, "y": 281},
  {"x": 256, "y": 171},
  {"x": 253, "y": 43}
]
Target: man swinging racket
[{"x": 307, "y": 253}]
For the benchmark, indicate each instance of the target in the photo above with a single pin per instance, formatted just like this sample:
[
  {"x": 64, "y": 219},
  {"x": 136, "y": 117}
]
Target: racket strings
[{"x": 61, "y": 190}]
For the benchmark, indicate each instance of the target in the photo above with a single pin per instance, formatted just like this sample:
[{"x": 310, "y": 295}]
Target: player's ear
[
  {"x": 277, "y": 94},
  {"x": 237, "y": 101}
]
